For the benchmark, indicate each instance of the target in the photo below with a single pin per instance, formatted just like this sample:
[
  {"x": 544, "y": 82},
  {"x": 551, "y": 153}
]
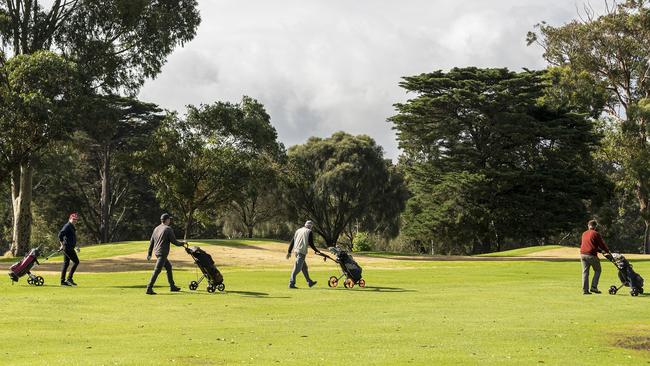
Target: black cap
[{"x": 165, "y": 216}]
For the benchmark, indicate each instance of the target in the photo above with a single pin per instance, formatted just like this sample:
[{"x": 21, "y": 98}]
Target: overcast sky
[{"x": 321, "y": 66}]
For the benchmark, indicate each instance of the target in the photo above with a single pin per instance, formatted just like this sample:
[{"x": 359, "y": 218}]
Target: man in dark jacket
[
  {"x": 162, "y": 236},
  {"x": 68, "y": 241},
  {"x": 591, "y": 244}
]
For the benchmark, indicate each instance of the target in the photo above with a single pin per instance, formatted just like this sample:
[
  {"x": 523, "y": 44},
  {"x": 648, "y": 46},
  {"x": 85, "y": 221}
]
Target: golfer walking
[
  {"x": 68, "y": 241},
  {"x": 301, "y": 239},
  {"x": 592, "y": 243},
  {"x": 162, "y": 236}
]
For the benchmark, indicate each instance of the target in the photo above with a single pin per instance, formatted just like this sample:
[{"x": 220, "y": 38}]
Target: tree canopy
[
  {"x": 487, "y": 161},
  {"x": 337, "y": 180}
]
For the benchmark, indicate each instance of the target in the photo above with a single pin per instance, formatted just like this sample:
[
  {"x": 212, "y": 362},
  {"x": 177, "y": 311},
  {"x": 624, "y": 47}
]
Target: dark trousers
[
  {"x": 593, "y": 262},
  {"x": 160, "y": 263},
  {"x": 69, "y": 255}
]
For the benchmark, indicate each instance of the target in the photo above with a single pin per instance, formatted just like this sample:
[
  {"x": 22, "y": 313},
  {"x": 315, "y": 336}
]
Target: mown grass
[
  {"x": 521, "y": 251},
  {"x": 424, "y": 313}
]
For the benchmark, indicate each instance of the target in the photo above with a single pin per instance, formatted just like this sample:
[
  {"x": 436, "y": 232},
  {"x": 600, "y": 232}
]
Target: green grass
[
  {"x": 521, "y": 251},
  {"x": 422, "y": 313}
]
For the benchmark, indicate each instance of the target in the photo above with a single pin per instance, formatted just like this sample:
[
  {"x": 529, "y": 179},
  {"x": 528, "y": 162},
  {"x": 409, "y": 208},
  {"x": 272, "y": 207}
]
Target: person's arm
[
  {"x": 172, "y": 238},
  {"x": 601, "y": 243},
  {"x": 150, "y": 250},
  {"x": 62, "y": 235},
  {"x": 291, "y": 246},
  {"x": 310, "y": 241}
]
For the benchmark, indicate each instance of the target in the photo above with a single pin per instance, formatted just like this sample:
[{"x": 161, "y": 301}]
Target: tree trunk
[
  {"x": 105, "y": 201},
  {"x": 250, "y": 231},
  {"x": 21, "y": 191},
  {"x": 643, "y": 208},
  {"x": 188, "y": 224},
  {"x": 646, "y": 237}
]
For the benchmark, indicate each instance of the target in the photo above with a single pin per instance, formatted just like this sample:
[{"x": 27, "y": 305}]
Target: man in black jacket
[
  {"x": 68, "y": 241},
  {"x": 162, "y": 236}
]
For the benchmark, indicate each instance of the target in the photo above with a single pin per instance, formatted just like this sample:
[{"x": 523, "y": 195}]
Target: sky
[{"x": 321, "y": 66}]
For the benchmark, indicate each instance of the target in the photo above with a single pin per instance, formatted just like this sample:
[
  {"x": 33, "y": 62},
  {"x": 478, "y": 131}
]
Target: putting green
[{"x": 412, "y": 312}]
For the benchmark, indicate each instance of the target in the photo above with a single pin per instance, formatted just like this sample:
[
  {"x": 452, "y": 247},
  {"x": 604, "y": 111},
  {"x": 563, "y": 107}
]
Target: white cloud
[{"x": 321, "y": 66}]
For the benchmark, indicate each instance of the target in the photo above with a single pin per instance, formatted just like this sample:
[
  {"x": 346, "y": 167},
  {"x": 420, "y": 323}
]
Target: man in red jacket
[{"x": 592, "y": 243}]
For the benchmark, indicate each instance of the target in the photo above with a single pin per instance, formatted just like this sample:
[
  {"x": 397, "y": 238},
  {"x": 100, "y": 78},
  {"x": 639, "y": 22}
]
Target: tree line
[{"x": 492, "y": 159}]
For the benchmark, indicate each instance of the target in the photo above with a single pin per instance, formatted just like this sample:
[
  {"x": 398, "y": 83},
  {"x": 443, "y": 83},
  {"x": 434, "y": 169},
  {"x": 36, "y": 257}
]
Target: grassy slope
[
  {"x": 522, "y": 251},
  {"x": 500, "y": 313}
]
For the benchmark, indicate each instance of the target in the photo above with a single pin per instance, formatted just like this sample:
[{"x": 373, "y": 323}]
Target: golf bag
[
  {"x": 349, "y": 267},
  {"x": 204, "y": 261},
  {"x": 626, "y": 275},
  {"x": 24, "y": 267}
]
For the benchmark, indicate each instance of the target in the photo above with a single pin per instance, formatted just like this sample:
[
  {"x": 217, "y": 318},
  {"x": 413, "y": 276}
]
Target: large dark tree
[
  {"x": 339, "y": 180},
  {"x": 488, "y": 161},
  {"x": 614, "y": 50},
  {"x": 37, "y": 93},
  {"x": 116, "y": 129},
  {"x": 117, "y": 44}
]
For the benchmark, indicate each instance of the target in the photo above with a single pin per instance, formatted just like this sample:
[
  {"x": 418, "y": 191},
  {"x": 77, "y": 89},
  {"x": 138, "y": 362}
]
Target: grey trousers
[
  {"x": 160, "y": 263},
  {"x": 300, "y": 265},
  {"x": 590, "y": 261}
]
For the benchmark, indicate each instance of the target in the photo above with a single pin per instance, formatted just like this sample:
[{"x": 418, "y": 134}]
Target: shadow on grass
[
  {"x": 369, "y": 288},
  {"x": 163, "y": 289},
  {"x": 386, "y": 289},
  {"x": 259, "y": 295}
]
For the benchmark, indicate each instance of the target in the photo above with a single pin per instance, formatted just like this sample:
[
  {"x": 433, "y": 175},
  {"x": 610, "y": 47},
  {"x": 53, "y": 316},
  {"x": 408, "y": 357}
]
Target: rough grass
[
  {"x": 102, "y": 251},
  {"x": 498, "y": 313}
]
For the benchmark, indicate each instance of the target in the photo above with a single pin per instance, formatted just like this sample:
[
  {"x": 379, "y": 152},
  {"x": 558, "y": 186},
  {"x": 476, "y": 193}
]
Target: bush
[{"x": 362, "y": 242}]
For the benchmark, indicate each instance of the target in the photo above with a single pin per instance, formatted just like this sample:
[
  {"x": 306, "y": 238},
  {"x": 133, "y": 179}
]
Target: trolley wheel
[
  {"x": 634, "y": 292},
  {"x": 211, "y": 288},
  {"x": 348, "y": 283},
  {"x": 221, "y": 287},
  {"x": 362, "y": 283},
  {"x": 613, "y": 290},
  {"x": 333, "y": 281},
  {"x": 194, "y": 285},
  {"x": 39, "y": 281},
  {"x": 30, "y": 281}
]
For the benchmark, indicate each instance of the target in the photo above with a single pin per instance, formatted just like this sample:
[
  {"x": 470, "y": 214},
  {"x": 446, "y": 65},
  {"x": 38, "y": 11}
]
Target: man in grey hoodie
[
  {"x": 302, "y": 238},
  {"x": 162, "y": 236}
]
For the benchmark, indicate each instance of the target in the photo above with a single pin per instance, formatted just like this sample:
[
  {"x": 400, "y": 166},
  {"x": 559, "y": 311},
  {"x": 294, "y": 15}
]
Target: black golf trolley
[
  {"x": 349, "y": 267},
  {"x": 210, "y": 272},
  {"x": 626, "y": 274}
]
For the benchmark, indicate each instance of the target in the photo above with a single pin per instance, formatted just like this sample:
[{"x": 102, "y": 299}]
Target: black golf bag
[
  {"x": 350, "y": 268},
  {"x": 626, "y": 274},
  {"x": 210, "y": 272}
]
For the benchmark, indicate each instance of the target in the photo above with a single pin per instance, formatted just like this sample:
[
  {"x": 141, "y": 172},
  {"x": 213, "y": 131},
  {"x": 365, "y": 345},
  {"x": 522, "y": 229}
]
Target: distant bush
[{"x": 362, "y": 242}]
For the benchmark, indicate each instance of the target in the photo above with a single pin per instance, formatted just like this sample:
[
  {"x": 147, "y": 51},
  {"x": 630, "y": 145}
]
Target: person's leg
[
  {"x": 66, "y": 263},
  {"x": 595, "y": 263},
  {"x": 170, "y": 275},
  {"x": 585, "y": 273},
  {"x": 72, "y": 255},
  {"x": 297, "y": 267},
  {"x": 160, "y": 263},
  {"x": 305, "y": 271}
]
